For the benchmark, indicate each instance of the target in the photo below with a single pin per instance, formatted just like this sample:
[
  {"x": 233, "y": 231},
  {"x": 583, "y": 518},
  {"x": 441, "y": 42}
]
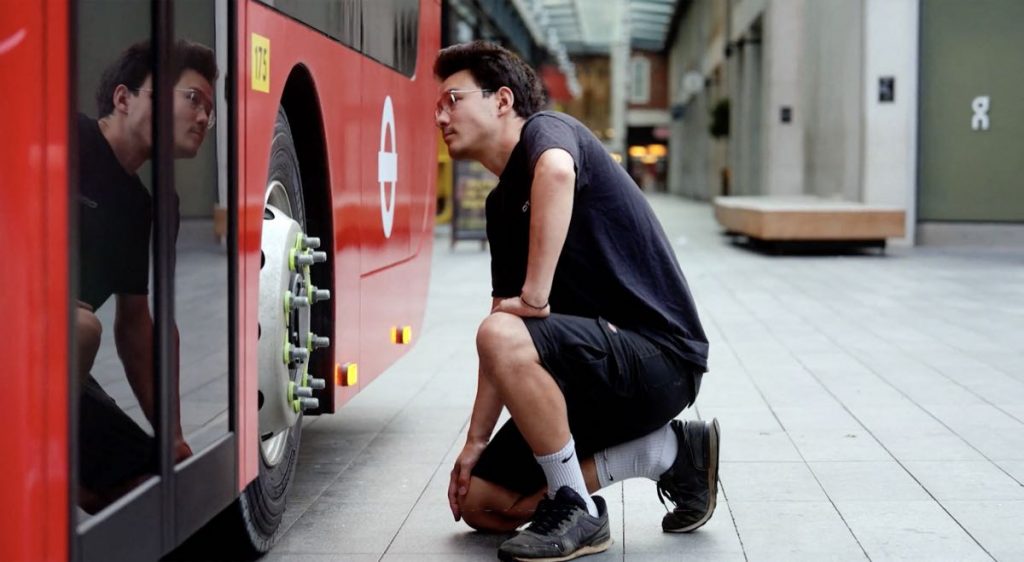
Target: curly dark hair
[
  {"x": 136, "y": 63},
  {"x": 492, "y": 67}
]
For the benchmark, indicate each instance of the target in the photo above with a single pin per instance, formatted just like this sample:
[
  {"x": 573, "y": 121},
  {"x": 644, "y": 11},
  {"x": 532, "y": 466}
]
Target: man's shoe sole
[
  {"x": 583, "y": 551},
  {"x": 712, "y": 483}
]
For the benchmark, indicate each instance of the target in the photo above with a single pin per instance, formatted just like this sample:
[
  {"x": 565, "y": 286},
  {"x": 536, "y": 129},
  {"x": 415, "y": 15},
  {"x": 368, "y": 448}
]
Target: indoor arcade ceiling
[{"x": 591, "y": 26}]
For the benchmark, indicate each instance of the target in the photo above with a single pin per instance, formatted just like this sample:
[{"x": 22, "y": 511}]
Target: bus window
[
  {"x": 395, "y": 25},
  {"x": 394, "y": 41},
  {"x": 339, "y": 19},
  {"x": 122, "y": 264},
  {"x": 112, "y": 322},
  {"x": 201, "y": 290}
]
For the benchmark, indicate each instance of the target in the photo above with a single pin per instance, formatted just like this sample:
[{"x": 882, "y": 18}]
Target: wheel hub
[{"x": 286, "y": 341}]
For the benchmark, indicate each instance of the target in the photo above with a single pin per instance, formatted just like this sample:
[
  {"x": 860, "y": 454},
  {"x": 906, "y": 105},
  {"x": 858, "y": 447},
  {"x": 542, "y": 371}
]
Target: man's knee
[
  {"x": 488, "y": 508},
  {"x": 485, "y": 522},
  {"x": 88, "y": 332},
  {"x": 504, "y": 335},
  {"x": 89, "y": 329}
]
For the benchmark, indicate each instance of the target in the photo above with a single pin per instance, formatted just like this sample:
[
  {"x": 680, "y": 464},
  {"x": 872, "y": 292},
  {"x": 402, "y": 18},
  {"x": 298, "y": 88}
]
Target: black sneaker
[
  {"x": 561, "y": 529},
  {"x": 692, "y": 482}
]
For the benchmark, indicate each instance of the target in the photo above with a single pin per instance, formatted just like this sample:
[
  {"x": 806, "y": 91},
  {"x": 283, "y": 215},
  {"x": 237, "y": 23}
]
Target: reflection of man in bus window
[
  {"x": 593, "y": 342},
  {"x": 115, "y": 219}
]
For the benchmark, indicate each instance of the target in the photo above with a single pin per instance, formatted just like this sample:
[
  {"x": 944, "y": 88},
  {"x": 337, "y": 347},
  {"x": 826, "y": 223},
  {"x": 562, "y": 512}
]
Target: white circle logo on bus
[{"x": 387, "y": 166}]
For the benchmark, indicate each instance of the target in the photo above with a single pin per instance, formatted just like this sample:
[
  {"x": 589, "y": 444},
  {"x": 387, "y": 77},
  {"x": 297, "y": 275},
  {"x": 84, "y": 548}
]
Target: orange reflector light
[
  {"x": 346, "y": 375},
  {"x": 401, "y": 336}
]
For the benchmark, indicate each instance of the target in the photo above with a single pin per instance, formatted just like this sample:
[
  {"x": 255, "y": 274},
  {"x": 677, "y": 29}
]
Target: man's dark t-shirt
[
  {"x": 616, "y": 264},
  {"x": 115, "y": 215}
]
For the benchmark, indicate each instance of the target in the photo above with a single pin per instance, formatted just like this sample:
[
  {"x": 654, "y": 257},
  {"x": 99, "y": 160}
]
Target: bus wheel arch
[
  {"x": 298, "y": 191},
  {"x": 301, "y": 103}
]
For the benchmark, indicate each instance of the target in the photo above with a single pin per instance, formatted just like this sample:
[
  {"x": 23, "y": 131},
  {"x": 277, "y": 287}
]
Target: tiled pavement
[{"x": 871, "y": 407}]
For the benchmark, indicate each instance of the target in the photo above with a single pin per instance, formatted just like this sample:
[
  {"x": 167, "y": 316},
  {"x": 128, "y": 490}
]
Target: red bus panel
[{"x": 34, "y": 238}]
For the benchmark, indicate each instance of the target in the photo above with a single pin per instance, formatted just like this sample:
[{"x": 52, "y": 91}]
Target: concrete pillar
[
  {"x": 619, "y": 55},
  {"x": 746, "y": 118},
  {"x": 891, "y": 29},
  {"x": 783, "y": 148},
  {"x": 833, "y": 100}
]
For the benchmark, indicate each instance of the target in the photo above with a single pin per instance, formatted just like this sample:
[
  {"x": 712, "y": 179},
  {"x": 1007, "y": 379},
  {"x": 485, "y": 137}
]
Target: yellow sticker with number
[{"x": 260, "y": 63}]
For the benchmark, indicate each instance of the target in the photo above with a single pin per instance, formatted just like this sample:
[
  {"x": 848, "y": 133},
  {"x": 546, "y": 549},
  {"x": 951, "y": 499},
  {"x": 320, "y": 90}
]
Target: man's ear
[
  {"x": 120, "y": 98},
  {"x": 506, "y": 100}
]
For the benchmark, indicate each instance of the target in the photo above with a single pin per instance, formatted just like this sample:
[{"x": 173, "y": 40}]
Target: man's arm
[
  {"x": 133, "y": 336},
  {"x": 551, "y": 199},
  {"x": 486, "y": 409}
]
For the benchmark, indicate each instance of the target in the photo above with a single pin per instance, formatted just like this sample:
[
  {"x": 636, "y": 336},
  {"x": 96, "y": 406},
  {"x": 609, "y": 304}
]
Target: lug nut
[
  {"x": 295, "y": 354},
  {"x": 292, "y": 303},
  {"x": 320, "y": 295},
  {"x": 304, "y": 259},
  {"x": 295, "y": 303}
]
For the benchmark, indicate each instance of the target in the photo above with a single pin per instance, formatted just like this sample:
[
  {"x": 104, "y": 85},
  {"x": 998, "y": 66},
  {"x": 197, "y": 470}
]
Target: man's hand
[
  {"x": 458, "y": 487},
  {"x": 181, "y": 449},
  {"x": 516, "y": 306}
]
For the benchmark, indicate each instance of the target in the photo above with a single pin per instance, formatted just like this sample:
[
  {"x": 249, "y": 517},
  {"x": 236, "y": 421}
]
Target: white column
[
  {"x": 619, "y": 55},
  {"x": 891, "y": 30},
  {"x": 783, "y": 150}
]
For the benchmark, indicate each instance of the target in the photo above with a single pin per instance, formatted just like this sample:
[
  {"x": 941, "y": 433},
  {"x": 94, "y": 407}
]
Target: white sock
[
  {"x": 562, "y": 468},
  {"x": 648, "y": 457}
]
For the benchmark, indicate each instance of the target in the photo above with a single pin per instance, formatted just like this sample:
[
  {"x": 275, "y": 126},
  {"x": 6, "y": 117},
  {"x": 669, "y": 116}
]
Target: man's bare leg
[
  {"x": 88, "y": 335},
  {"x": 509, "y": 359}
]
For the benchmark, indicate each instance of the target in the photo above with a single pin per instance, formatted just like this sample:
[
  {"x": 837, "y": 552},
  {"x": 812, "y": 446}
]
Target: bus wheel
[{"x": 287, "y": 299}]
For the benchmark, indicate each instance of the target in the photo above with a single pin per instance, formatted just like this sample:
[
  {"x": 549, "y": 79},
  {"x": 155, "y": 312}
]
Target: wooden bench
[{"x": 809, "y": 220}]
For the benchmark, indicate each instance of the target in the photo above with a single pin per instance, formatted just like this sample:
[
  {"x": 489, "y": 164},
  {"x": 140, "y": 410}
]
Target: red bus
[{"x": 320, "y": 174}]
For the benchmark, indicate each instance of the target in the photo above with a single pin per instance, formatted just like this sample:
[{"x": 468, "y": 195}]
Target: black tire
[
  {"x": 284, "y": 166},
  {"x": 261, "y": 505},
  {"x": 249, "y": 526}
]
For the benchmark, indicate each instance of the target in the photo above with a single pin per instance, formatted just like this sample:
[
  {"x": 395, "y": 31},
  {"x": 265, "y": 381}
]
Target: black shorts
[
  {"x": 112, "y": 449},
  {"x": 618, "y": 386}
]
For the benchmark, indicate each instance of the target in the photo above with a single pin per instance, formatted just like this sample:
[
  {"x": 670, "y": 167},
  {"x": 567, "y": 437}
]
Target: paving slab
[
  {"x": 788, "y": 530},
  {"x": 868, "y": 481},
  {"x": 967, "y": 480},
  {"x": 911, "y": 433},
  {"x": 994, "y": 524},
  {"x": 908, "y": 530},
  {"x": 770, "y": 481}
]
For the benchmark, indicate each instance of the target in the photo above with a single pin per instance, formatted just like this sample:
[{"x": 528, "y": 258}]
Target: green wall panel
[{"x": 969, "y": 49}]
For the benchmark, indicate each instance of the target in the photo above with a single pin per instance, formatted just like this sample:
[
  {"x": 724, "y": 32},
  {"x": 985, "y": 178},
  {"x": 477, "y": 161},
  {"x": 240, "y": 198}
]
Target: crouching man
[{"x": 593, "y": 342}]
